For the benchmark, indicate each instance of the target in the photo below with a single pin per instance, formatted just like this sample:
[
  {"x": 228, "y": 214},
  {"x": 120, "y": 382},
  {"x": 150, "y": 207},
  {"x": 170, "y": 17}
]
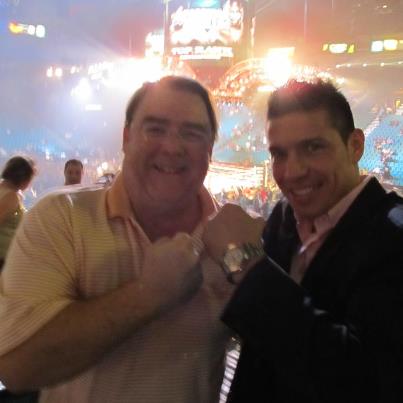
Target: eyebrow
[
  {"x": 188, "y": 125},
  {"x": 154, "y": 119},
  {"x": 301, "y": 143},
  {"x": 196, "y": 126},
  {"x": 312, "y": 140},
  {"x": 275, "y": 148}
]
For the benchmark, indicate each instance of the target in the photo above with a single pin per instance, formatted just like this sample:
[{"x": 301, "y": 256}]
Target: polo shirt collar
[{"x": 118, "y": 202}]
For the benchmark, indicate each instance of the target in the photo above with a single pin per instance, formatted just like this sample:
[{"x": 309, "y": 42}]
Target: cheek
[
  {"x": 199, "y": 157},
  {"x": 276, "y": 171},
  {"x": 205, "y": 163},
  {"x": 136, "y": 151}
]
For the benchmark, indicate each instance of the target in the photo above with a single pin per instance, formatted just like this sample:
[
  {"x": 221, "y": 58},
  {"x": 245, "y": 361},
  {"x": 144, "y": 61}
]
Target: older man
[{"x": 103, "y": 297}]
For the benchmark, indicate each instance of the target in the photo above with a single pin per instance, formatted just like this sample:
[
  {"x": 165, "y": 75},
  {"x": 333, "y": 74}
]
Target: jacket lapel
[
  {"x": 336, "y": 262},
  {"x": 281, "y": 236}
]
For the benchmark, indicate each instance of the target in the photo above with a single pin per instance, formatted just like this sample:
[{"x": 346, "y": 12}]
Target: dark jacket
[{"x": 337, "y": 337}]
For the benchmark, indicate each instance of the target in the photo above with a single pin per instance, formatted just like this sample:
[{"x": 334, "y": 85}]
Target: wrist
[{"x": 238, "y": 259}]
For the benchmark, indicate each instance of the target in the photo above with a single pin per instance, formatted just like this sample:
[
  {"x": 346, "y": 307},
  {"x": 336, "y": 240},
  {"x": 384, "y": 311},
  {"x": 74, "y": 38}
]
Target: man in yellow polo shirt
[{"x": 104, "y": 297}]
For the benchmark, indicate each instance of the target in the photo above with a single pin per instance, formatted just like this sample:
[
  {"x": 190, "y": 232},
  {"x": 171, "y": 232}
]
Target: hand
[
  {"x": 171, "y": 270},
  {"x": 231, "y": 225}
]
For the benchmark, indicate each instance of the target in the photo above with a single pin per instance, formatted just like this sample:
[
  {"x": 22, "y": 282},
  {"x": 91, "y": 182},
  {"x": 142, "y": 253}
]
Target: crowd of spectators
[
  {"x": 255, "y": 200},
  {"x": 241, "y": 141}
]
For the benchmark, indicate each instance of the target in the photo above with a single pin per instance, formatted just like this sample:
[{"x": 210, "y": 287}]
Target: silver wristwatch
[{"x": 236, "y": 256}]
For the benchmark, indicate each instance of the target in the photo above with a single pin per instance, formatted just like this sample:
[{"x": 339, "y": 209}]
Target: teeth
[
  {"x": 302, "y": 192},
  {"x": 168, "y": 170}
]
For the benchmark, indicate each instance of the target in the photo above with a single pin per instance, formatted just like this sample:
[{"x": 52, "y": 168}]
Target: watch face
[{"x": 233, "y": 259}]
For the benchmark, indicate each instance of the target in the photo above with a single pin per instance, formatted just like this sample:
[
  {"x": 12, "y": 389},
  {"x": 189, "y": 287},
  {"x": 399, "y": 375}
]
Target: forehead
[
  {"x": 168, "y": 103},
  {"x": 301, "y": 125}
]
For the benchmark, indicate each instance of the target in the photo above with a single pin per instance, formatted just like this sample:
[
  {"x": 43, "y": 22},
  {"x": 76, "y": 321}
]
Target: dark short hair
[
  {"x": 303, "y": 96},
  {"x": 73, "y": 162},
  {"x": 177, "y": 83},
  {"x": 18, "y": 170}
]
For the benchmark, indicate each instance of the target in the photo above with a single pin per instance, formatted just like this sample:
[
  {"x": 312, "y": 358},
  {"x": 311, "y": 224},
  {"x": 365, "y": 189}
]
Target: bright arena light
[
  {"x": 40, "y": 31},
  {"x": 390, "y": 44},
  {"x": 31, "y": 30},
  {"x": 58, "y": 72},
  {"x": 278, "y": 65},
  {"x": 266, "y": 88},
  {"x": 340, "y": 80},
  {"x": 83, "y": 91},
  {"x": 130, "y": 74},
  {"x": 101, "y": 169}
]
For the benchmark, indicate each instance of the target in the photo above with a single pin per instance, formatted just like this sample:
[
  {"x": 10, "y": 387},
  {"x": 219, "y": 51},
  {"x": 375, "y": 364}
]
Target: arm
[
  {"x": 219, "y": 234},
  {"x": 81, "y": 332},
  {"x": 353, "y": 358},
  {"x": 351, "y": 352},
  {"x": 8, "y": 204}
]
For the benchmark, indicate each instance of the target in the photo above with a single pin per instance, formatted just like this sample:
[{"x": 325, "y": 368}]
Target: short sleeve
[{"x": 38, "y": 279}]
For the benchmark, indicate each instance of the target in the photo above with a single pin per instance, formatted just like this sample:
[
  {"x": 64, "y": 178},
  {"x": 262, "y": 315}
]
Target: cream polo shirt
[{"x": 83, "y": 243}]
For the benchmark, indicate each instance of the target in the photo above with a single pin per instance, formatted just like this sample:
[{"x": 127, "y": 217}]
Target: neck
[
  {"x": 9, "y": 185},
  {"x": 158, "y": 223}
]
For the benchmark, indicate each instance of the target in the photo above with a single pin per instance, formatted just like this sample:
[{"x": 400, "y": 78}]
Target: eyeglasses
[{"x": 188, "y": 133}]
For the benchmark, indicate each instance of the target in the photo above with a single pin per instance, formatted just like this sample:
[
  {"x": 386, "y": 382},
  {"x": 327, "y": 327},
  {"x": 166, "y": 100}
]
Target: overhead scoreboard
[{"x": 208, "y": 30}]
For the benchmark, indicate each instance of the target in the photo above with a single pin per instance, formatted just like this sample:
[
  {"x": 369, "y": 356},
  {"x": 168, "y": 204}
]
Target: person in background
[
  {"x": 73, "y": 172},
  {"x": 16, "y": 176},
  {"x": 105, "y": 296},
  {"x": 319, "y": 311}
]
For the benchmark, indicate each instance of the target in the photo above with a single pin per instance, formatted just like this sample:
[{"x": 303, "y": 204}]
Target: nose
[
  {"x": 173, "y": 142},
  {"x": 295, "y": 167}
]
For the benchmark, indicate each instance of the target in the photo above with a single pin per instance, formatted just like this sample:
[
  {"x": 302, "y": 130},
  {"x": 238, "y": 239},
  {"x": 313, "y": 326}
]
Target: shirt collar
[
  {"x": 118, "y": 202},
  {"x": 327, "y": 221}
]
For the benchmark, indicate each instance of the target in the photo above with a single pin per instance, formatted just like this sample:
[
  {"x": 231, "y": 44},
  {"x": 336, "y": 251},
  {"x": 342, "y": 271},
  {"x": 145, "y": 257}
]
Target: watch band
[
  {"x": 251, "y": 250},
  {"x": 245, "y": 253}
]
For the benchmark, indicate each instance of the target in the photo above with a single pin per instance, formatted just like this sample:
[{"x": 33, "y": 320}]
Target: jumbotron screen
[{"x": 206, "y": 32}]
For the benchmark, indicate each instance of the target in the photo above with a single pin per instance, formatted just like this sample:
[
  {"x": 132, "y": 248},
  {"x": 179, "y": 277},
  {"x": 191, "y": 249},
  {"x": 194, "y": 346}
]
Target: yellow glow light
[
  {"x": 390, "y": 44},
  {"x": 15, "y": 28}
]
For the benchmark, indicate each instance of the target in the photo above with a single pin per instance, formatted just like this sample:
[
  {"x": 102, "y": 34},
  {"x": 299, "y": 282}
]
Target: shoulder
[
  {"x": 64, "y": 199},
  {"x": 386, "y": 222},
  {"x": 281, "y": 222},
  {"x": 281, "y": 215},
  {"x": 395, "y": 215},
  {"x": 9, "y": 202},
  {"x": 381, "y": 209},
  {"x": 9, "y": 198}
]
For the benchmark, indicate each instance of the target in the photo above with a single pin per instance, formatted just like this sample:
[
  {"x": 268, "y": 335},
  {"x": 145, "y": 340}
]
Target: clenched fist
[
  {"x": 232, "y": 225},
  {"x": 171, "y": 271}
]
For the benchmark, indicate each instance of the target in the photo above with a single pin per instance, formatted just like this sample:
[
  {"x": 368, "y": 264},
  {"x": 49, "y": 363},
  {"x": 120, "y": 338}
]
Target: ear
[
  {"x": 126, "y": 134},
  {"x": 210, "y": 151},
  {"x": 355, "y": 145}
]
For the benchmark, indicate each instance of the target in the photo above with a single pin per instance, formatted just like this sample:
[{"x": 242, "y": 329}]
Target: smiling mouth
[
  {"x": 302, "y": 192},
  {"x": 169, "y": 170}
]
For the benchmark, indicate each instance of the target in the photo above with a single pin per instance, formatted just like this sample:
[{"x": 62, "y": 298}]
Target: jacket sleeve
[{"x": 320, "y": 357}]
